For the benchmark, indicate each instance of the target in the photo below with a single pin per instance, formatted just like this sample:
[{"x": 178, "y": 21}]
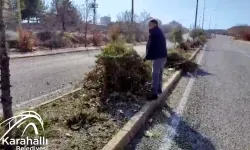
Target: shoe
[
  {"x": 152, "y": 97},
  {"x": 159, "y": 91}
]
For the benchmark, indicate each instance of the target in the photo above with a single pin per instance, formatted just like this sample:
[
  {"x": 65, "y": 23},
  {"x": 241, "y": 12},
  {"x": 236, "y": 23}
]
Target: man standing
[{"x": 156, "y": 51}]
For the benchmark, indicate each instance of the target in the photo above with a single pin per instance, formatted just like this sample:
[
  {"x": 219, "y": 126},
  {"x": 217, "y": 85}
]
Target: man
[{"x": 156, "y": 51}]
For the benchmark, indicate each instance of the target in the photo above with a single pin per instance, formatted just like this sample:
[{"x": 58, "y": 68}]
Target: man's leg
[
  {"x": 156, "y": 69},
  {"x": 160, "y": 82},
  {"x": 156, "y": 74},
  {"x": 161, "y": 75}
]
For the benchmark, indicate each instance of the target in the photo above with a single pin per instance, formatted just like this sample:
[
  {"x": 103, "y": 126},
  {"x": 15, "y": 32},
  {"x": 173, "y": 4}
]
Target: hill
[
  {"x": 238, "y": 30},
  {"x": 217, "y": 31},
  {"x": 167, "y": 28}
]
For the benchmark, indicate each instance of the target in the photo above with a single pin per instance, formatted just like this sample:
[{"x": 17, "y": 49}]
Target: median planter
[
  {"x": 132, "y": 127},
  {"x": 89, "y": 117}
]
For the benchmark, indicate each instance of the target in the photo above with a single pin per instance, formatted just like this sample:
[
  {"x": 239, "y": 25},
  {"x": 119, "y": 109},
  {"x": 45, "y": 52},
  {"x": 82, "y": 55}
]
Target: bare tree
[
  {"x": 125, "y": 24},
  {"x": 144, "y": 16},
  {"x": 6, "y": 98},
  {"x": 139, "y": 25},
  {"x": 141, "y": 28},
  {"x": 86, "y": 14},
  {"x": 65, "y": 12}
]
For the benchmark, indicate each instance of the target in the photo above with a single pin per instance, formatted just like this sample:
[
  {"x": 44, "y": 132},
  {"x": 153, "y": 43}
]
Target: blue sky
[{"x": 223, "y": 13}]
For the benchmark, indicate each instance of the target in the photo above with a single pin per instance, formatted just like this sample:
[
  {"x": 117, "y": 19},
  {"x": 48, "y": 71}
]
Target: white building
[{"x": 105, "y": 20}]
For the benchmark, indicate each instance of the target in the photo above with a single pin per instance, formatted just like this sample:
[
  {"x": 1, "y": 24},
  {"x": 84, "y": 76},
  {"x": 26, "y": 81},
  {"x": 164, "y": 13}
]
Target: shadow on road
[
  {"x": 186, "y": 137},
  {"x": 199, "y": 73},
  {"x": 202, "y": 72}
]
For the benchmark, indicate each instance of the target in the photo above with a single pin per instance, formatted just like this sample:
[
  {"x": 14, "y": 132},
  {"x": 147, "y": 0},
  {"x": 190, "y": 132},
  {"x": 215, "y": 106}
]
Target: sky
[{"x": 223, "y": 13}]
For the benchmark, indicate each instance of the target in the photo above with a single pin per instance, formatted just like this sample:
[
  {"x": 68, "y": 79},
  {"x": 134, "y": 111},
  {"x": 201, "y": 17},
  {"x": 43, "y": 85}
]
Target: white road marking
[
  {"x": 42, "y": 98},
  {"x": 245, "y": 54},
  {"x": 175, "y": 120}
]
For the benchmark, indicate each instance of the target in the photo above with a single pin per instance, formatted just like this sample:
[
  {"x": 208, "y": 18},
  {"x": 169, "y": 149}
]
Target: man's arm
[{"x": 149, "y": 45}]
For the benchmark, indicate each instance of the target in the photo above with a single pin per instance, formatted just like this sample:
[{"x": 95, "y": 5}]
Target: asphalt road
[
  {"x": 210, "y": 111},
  {"x": 35, "y": 80}
]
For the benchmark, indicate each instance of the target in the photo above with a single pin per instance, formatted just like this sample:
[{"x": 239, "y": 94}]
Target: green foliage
[
  {"x": 45, "y": 35},
  {"x": 118, "y": 69},
  {"x": 64, "y": 12},
  {"x": 29, "y": 8},
  {"x": 176, "y": 35},
  {"x": 114, "y": 32},
  {"x": 178, "y": 61},
  {"x": 97, "y": 39},
  {"x": 197, "y": 33}
]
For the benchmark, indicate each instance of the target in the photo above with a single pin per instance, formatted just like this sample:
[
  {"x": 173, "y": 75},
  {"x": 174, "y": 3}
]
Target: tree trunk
[
  {"x": 85, "y": 33},
  {"x": 6, "y": 98},
  {"x": 63, "y": 25}
]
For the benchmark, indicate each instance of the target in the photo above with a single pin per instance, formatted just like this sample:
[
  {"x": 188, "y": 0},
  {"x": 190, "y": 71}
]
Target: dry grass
[
  {"x": 82, "y": 121},
  {"x": 90, "y": 126}
]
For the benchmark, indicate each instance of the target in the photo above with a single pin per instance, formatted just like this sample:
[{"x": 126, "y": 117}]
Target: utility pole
[
  {"x": 203, "y": 14},
  {"x": 199, "y": 22},
  {"x": 94, "y": 6},
  {"x": 132, "y": 20},
  {"x": 196, "y": 12},
  {"x": 209, "y": 23},
  {"x": 19, "y": 14},
  {"x": 132, "y": 12}
]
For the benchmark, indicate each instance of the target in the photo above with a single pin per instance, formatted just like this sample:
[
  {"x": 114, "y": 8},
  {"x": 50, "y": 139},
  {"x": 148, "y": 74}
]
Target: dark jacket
[{"x": 156, "y": 46}]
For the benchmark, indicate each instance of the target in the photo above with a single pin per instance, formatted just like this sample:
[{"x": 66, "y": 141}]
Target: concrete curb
[
  {"x": 241, "y": 41},
  {"x": 64, "y": 52},
  {"x": 56, "y": 53},
  {"x": 131, "y": 128}
]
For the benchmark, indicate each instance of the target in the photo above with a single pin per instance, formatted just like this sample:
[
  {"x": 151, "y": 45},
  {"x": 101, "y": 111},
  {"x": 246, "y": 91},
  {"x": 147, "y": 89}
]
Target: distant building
[{"x": 105, "y": 20}]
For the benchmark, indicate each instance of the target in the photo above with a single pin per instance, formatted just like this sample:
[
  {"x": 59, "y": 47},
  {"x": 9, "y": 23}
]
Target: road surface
[
  {"x": 35, "y": 80},
  {"x": 210, "y": 111}
]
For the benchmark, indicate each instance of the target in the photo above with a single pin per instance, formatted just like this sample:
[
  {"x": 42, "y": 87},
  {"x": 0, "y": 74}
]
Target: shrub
[
  {"x": 203, "y": 38},
  {"x": 197, "y": 33},
  {"x": 246, "y": 36},
  {"x": 196, "y": 43},
  {"x": 97, "y": 39},
  {"x": 57, "y": 42},
  {"x": 70, "y": 37},
  {"x": 118, "y": 69},
  {"x": 45, "y": 35},
  {"x": 177, "y": 61},
  {"x": 26, "y": 41},
  {"x": 13, "y": 43},
  {"x": 183, "y": 46},
  {"x": 176, "y": 35},
  {"x": 114, "y": 32},
  {"x": 82, "y": 40}
]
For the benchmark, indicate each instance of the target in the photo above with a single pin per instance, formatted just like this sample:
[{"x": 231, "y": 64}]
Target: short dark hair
[{"x": 154, "y": 21}]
